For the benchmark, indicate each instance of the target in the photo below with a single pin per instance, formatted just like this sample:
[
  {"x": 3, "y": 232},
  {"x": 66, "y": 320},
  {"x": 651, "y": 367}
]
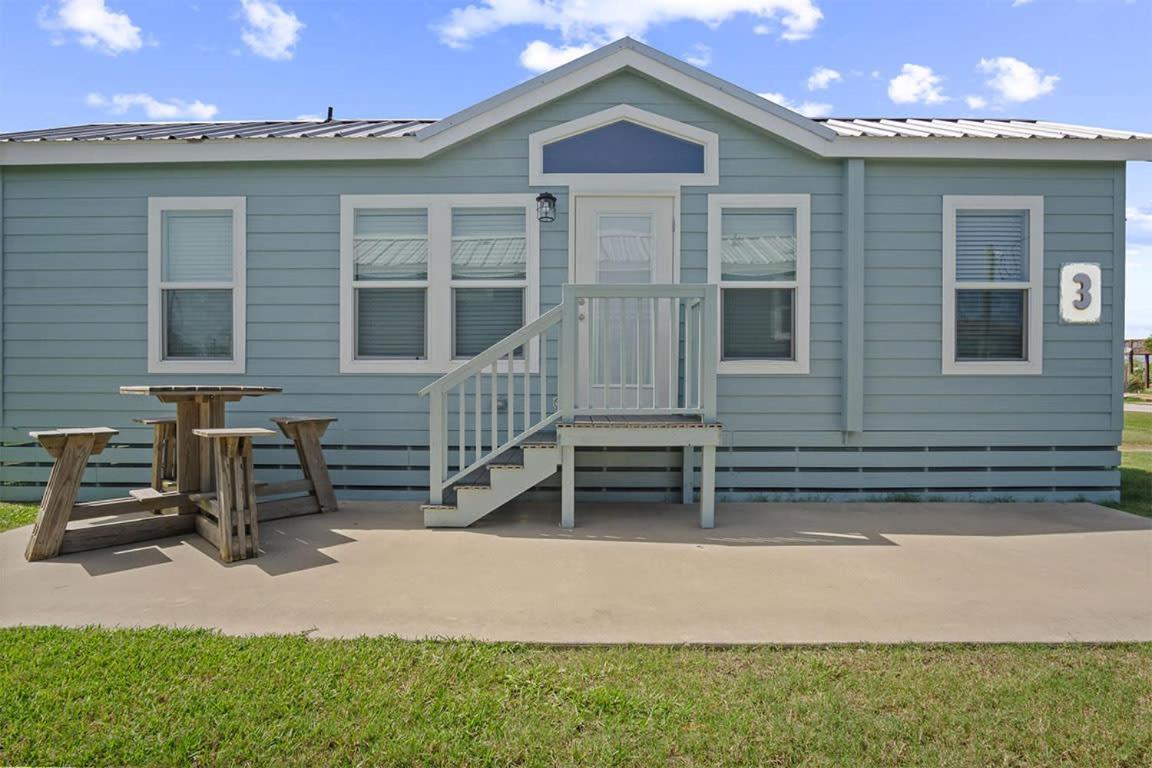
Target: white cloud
[
  {"x": 95, "y": 26},
  {"x": 1018, "y": 3},
  {"x": 699, "y": 56},
  {"x": 540, "y": 56},
  {"x": 271, "y": 31},
  {"x": 599, "y": 21},
  {"x": 822, "y": 77},
  {"x": 1139, "y": 218},
  {"x": 154, "y": 109},
  {"x": 916, "y": 84},
  {"x": 806, "y": 108},
  {"x": 976, "y": 102},
  {"x": 1016, "y": 81}
]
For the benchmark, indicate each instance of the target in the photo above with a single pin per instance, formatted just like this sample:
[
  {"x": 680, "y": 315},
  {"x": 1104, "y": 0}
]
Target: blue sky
[{"x": 75, "y": 61}]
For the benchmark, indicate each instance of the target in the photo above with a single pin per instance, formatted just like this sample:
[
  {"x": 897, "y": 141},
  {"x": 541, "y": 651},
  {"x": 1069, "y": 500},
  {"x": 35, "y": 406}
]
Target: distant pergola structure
[{"x": 1134, "y": 348}]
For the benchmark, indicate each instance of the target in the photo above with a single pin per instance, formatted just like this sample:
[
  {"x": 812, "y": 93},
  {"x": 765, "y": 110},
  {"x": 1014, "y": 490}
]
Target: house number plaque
[{"x": 1080, "y": 288}]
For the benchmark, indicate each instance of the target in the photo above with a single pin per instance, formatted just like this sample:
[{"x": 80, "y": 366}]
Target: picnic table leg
[
  {"x": 163, "y": 454},
  {"x": 59, "y": 497},
  {"x": 187, "y": 451},
  {"x": 239, "y": 536},
  {"x": 305, "y": 435},
  {"x": 211, "y": 417}
]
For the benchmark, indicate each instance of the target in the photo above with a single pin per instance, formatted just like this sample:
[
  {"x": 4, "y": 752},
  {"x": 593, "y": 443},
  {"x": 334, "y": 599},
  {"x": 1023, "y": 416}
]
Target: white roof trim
[{"x": 873, "y": 139}]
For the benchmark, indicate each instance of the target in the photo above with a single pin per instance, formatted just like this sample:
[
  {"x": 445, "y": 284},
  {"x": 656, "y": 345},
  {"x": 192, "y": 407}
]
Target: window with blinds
[
  {"x": 197, "y": 284},
  {"x": 991, "y": 250},
  {"x": 427, "y": 280},
  {"x": 758, "y": 284},
  {"x": 390, "y": 283},
  {"x": 489, "y": 276}
]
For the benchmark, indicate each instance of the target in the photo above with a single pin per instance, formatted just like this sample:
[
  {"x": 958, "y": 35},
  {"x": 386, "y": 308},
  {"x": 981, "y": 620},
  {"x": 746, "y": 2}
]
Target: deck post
[
  {"x": 567, "y": 364},
  {"x": 708, "y": 487},
  {"x": 437, "y": 446},
  {"x": 567, "y": 486},
  {"x": 687, "y": 481},
  {"x": 709, "y": 351}
]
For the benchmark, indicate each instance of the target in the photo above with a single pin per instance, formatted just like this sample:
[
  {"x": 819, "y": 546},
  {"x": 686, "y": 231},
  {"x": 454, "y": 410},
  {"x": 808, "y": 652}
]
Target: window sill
[
  {"x": 761, "y": 367},
  {"x": 993, "y": 368},
  {"x": 196, "y": 366}
]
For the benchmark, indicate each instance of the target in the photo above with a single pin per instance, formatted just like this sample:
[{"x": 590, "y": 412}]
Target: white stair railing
[{"x": 649, "y": 349}]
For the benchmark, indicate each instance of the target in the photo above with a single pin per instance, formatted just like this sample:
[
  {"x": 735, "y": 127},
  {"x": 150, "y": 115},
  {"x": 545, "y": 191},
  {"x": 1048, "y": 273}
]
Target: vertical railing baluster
[
  {"x": 437, "y": 450},
  {"x": 689, "y": 354},
  {"x": 495, "y": 436},
  {"x": 674, "y": 352},
  {"x": 639, "y": 303},
  {"x": 544, "y": 375},
  {"x": 479, "y": 411},
  {"x": 621, "y": 314},
  {"x": 511, "y": 398},
  {"x": 654, "y": 335},
  {"x": 462, "y": 428},
  {"x": 527, "y": 392}
]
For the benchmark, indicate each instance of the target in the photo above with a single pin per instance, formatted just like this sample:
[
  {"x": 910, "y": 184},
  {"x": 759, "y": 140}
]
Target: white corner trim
[
  {"x": 624, "y": 182},
  {"x": 238, "y": 285},
  {"x": 1034, "y": 321},
  {"x": 438, "y": 304},
  {"x": 802, "y": 204}
]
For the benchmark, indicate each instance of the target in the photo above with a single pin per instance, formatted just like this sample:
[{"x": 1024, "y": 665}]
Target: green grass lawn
[
  {"x": 169, "y": 697},
  {"x": 16, "y": 515},
  {"x": 1138, "y": 429}
]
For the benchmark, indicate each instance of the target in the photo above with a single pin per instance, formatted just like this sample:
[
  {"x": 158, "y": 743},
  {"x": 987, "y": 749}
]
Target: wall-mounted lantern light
[{"x": 545, "y": 207}]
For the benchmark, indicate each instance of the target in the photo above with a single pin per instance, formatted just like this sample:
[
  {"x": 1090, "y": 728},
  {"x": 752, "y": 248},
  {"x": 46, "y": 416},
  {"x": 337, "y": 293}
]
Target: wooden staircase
[
  {"x": 507, "y": 419},
  {"x": 498, "y": 482}
]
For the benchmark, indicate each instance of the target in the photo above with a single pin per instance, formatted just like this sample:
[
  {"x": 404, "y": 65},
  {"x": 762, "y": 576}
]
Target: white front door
[{"x": 626, "y": 345}]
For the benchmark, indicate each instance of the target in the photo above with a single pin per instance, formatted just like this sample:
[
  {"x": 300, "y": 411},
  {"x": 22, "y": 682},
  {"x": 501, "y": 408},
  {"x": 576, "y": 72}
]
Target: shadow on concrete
[{"x": 299, "y": 544}]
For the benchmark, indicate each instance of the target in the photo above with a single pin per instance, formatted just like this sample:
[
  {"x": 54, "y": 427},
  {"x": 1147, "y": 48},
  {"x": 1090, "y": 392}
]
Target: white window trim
[
  {"x": 438, "y": 320},
  {"x": 624, "y": 182},
  {"x": 156, "y": 208},
  {"x": 1034, "y": 362},
  {"x": 802, "y": 284}
]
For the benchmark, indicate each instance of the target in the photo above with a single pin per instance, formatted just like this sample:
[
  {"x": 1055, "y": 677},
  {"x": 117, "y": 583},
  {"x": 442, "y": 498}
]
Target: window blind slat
[
  {"x": 390, "y": 323},
  {"x": 483, "y": 316},
  {"x": 991, "y": 245},
  {"x": 757, "y": 323},
  {"x": 197, "y": 324},
  {"x": 990, "y": 324},
  {"x": 197, "y": 246}
]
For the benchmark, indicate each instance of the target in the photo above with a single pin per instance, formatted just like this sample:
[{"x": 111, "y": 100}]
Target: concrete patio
[{"x": 768, "y": 573}]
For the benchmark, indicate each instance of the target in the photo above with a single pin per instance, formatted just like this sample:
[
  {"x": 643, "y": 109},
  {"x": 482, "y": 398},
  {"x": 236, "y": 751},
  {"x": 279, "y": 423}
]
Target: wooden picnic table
[
  {"x": 206, "y": 450},
  {"x": 198, "y": 406}
]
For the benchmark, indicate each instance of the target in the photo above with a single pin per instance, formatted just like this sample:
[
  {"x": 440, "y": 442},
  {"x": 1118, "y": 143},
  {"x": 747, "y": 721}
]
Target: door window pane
[
  {"x": 390, "y": 323},
  {"x": 757, "y": 323},
  {"x": 991, "y": 246},
  {"x": 990, "y": 325},
  {"x": 197, "y": 246},
  {"x": 625, "y": 249},
  {"x": 489, "y": 244},
  {"x": 758, "y": 244},
  {"x": 197, "y": 324},
  {"x": 391, "y": 244},
  {"x": 483, "y": 316}
]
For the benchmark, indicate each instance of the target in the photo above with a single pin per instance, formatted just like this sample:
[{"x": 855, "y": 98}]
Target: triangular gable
[{"x": 627, "y": 53}]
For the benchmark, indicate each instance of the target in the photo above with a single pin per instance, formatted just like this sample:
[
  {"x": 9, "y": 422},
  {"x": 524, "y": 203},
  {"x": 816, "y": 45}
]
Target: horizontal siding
[{"x": 74, "y": 303}]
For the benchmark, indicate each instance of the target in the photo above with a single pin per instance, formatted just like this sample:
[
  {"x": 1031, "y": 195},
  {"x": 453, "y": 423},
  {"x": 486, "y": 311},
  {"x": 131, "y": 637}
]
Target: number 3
[{"x": 1083, "y": 298}]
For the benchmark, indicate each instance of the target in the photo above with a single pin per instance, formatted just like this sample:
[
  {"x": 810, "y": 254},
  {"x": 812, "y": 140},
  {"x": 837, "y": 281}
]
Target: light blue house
[{"x": 622, "y": 269}]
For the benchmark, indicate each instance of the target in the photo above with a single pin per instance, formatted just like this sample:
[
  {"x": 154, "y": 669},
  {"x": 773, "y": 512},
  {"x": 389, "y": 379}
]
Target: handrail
[{"x": 495, "y": 352}]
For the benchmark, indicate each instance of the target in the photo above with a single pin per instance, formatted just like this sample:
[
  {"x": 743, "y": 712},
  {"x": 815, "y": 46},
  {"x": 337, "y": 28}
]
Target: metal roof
[
  {"x": 239, "y": 129},
  {"x": 968, "y": 128},
  {"x": 885, "y": 128}
]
